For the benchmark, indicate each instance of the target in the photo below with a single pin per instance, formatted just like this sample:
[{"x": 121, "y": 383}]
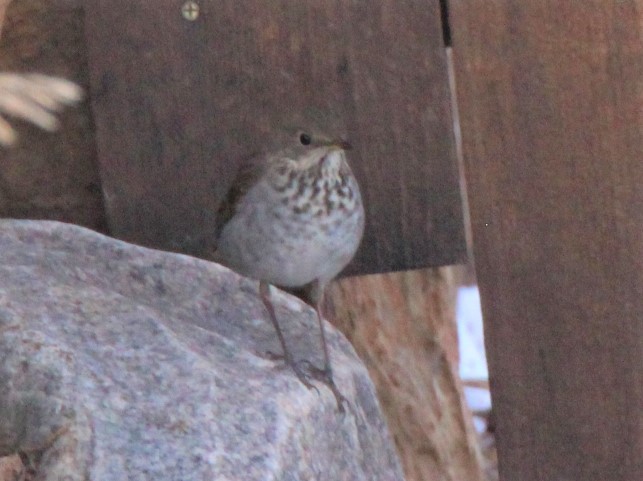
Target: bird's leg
[
  {"x": 325, "y": 375},
  {"x": 264, "y": 292}
]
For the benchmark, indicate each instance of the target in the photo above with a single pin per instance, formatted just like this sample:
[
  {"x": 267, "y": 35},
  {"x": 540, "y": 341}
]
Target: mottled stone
[{"x": 119, "y": 362}]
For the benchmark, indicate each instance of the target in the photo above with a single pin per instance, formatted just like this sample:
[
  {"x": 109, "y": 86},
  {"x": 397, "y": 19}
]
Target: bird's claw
[
  {"x": 325, "y": 376},
  {"x": 303, "y": 377},
  {"x": 310, "y": 371}
]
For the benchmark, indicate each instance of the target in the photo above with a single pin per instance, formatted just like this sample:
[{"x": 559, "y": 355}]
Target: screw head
[{"x": 190, "y": 11}]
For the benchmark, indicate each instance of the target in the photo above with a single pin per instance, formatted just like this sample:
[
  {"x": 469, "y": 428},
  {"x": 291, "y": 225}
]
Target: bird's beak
[{"x": 340, "y": 144}]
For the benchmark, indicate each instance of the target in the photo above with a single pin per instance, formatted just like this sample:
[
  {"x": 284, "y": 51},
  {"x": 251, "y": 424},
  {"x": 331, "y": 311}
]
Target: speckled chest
[
  {"x": 318, "y": 196},
  {"x": 296, "y": 226}
]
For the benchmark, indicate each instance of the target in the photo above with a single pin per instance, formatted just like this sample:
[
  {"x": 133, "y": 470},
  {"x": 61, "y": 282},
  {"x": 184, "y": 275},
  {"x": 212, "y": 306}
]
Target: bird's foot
[
  {"x": 306, "y": 370},
  {"x": 325, "y": 376},
  {"x": 303, "y": 377}
]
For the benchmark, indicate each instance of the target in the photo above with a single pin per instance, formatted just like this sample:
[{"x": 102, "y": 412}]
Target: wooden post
[
  {"x": 403, "y": 327},
  {"x": 50, "y": 176},
  {"x": 550, "y": 102}
]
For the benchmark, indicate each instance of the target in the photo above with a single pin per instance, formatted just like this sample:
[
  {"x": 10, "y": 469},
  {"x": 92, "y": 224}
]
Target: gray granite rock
[{"x": 124, "y": 363}]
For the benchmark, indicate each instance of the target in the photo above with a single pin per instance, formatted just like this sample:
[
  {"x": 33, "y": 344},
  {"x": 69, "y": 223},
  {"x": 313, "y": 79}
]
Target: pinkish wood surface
[{"x": 550, "y": 98}]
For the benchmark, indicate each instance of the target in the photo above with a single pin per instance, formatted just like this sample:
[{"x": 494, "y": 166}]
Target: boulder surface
[{"x": 119, "y": 362}]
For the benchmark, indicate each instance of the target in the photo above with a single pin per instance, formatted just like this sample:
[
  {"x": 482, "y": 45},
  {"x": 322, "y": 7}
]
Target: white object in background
[
  {"x": 36, "y": 98},
  {"x": 473, "y": 361}
]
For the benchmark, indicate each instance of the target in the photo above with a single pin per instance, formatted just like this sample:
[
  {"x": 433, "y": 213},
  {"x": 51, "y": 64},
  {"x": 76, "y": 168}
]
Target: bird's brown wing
[{"x": 250, "y": 171}]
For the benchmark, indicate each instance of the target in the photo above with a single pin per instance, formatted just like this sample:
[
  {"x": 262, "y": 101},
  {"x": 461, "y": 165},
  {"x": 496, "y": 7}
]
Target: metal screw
[{"x": 190, "y": 11}]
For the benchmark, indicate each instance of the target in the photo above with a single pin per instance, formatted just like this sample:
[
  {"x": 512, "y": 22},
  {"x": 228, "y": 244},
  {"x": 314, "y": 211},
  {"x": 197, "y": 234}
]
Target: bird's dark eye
[{"x": 305, "y": 139}]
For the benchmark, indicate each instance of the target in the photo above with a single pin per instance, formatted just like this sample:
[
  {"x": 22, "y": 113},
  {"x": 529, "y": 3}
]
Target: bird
[{"x": 293, "y": 218}]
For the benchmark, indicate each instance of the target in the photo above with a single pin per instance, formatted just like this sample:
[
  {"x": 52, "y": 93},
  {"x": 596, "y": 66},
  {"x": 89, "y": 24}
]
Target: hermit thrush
[{"x": 293, "y": 218}]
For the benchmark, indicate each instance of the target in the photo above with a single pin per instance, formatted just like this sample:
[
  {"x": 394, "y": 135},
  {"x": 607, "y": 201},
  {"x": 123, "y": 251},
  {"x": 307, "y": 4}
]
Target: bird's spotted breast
[{"x": 296, "y": 225}]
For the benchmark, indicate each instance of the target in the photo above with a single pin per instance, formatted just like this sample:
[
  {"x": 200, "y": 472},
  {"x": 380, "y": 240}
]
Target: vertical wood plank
[
  {"x": 403, "y": 327},
  {"x": 551, "y": 100},
  {"x": 50, "y": 176},
  {"x": 179, "y": 103}
]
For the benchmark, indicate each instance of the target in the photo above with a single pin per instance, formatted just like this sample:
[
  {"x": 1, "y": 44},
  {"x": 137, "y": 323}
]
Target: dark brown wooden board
[
  {"x": 178, "y": 103},
  {"x": 550, "y": 103},
  {"x": 50, "y": 175}
]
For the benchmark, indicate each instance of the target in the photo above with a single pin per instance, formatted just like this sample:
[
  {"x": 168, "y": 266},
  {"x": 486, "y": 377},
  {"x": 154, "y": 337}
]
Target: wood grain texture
[
  {"x": 402, "y": 326},
  {"x": 551, "y": 99},
  {"x": 179, "y": 103},
  {"x": 50, "y": 176},
  {"x": 3, "y": 7}
]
